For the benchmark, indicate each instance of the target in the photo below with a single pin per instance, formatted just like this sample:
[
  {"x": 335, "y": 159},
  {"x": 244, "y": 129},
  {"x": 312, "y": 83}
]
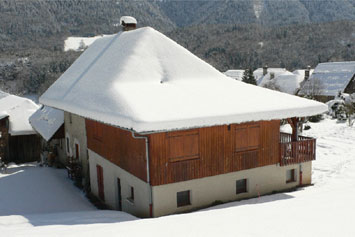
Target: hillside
[
  {"x": 296, "y": 46},
  {"x": 227, "y": 34},
  {"x": 267, "y": 12}
]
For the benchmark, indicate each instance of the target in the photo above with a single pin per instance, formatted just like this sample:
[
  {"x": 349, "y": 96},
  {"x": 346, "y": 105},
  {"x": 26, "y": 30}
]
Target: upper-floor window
[
  {"x": 247, "y": 137},
  {"x": 70, "y": 118},
  {"x": 183, "y": 145}
]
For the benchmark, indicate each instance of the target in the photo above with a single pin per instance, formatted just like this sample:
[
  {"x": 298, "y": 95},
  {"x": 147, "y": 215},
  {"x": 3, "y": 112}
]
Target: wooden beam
[{"x": 294, "y": 125}]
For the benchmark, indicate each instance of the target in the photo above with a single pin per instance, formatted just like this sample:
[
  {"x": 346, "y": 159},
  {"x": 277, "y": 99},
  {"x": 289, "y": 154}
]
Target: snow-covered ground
[
  {"x": 325, "y": 209},
  {"x": 79, "y": 43}
]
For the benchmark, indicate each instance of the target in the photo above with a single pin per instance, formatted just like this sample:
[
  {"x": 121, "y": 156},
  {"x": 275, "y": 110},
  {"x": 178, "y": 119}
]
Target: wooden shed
[{"x": 18, "y": 141}]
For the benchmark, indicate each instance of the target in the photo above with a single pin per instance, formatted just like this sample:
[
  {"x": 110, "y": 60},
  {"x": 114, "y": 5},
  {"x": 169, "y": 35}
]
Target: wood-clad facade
[
  {"x": 190, "y": 154},
  {"x": 195, "y": 163},
  {"x": 185, "y": 155},
  {"x": 4, "y": 138},
  {"x": 118, "y": 146}
]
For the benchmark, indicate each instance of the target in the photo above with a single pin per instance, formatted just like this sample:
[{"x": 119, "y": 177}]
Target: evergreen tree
[{"x": 248, "y": 77}]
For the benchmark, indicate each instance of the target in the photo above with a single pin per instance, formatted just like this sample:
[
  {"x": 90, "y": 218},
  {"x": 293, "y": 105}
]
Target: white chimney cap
[{"x": 128, "y": 20}]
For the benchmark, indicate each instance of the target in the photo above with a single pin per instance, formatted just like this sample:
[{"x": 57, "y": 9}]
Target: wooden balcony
[{"x": 293, "y": 152}]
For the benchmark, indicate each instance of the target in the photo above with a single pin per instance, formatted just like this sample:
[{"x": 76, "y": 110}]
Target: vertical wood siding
[
  {"x": 4, "y": 139},
  {"x": 117, "y": 146},
  {"x": 218, "y": 150}
]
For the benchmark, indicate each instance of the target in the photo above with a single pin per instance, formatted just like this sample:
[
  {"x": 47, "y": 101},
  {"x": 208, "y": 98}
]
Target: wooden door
[
  {"x": 119, "y": 195},
  {"x": 100, "y": 182}
]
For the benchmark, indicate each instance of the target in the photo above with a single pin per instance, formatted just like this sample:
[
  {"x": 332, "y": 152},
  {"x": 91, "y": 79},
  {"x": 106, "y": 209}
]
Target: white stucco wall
[
  {"x": 205, "y": 191},
  {"x": 140, "y": 206},
  {"x": 76, "y": 131}
]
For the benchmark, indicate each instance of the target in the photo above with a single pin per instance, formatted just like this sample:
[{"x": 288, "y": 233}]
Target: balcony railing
[{"x": 292, "y": 152}]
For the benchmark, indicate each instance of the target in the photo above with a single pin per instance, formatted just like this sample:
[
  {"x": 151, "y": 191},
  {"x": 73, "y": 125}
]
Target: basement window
[
  {"x": 290, "y": 176},
  {"x": 183, "y": 198},
  {"x": 241, "y": 186},
  {"x": 131, "y": 197}
]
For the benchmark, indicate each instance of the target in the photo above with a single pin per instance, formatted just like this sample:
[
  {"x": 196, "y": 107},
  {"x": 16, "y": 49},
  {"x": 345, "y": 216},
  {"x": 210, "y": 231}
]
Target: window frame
[
  {"x": 247, "y": 137},
  {"x": 240, "y": 190},
  {"x": 131, "y": 194},
  {"x": 181, "y": 200},
  {"x": 171, "y": 136},
  {"x": 293, "y": 177}
]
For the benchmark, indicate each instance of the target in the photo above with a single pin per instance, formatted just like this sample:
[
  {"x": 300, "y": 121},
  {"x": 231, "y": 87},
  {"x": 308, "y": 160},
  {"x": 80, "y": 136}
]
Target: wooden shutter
[{"x": 183, "y": 146}]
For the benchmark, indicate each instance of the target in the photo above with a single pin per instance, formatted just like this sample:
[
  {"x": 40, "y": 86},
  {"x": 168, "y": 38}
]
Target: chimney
[
  {"x": 272, "y": 75},
  {"x": 307, "y": 72},
  {"x": 264, "y": 70},
  {"x": 128, "y": 23}
]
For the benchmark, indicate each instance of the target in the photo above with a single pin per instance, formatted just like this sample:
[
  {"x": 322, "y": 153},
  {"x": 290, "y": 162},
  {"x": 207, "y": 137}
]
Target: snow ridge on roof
[
  {"x": 46, "y": 121},
  {"x": 144, "y": 81}
]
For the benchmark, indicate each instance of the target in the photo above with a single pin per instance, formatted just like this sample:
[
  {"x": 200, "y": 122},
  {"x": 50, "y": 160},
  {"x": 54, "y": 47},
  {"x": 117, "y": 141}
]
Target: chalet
[
  {"x": 168, "y": 133},
  {"x": 329, "y": 79},
  {"x": 265, "y": 74},
  {"x": 18, "y": 141},
  {"x": 49, "y": 123}
]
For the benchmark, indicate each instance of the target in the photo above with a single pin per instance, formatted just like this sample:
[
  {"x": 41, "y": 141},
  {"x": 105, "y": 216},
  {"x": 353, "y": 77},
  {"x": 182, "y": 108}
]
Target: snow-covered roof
[
  {"x": 128, "y": 20},
  {"x": 332, "y": 77},
  {"x": 262, "y": 80},
  {"x": 144, "y": 81},
  {"x": 19, "y": 110},
  {"x": 235, "y": 74},
  {"x": 301, "y": 72},
  {"x": 3, "y": 114},
  {"x": 46, "y": 121}
]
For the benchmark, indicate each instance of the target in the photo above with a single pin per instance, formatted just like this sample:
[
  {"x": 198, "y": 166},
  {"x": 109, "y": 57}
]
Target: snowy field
[
  {"x": 37, "y": 201},
  {"x": 79, "y": 43}
]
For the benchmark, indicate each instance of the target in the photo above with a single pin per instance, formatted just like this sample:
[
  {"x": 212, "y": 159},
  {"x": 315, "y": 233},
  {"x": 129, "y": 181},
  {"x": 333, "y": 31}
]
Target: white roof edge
[
  {"x": 164, "y": 126},
  {"x": 21, "y": 133}
]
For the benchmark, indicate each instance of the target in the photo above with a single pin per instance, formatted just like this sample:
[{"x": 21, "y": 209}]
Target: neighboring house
[
  {"x": 168, "y": 133},
  {"x": 282, "y": 80},
  {"x": 18, "y": 141},
  {"x": 49, "y": 123},
  {"x": 328, "y": 79},
  {"x": 236, "y": 74},
  {"x": 265, "y": 74}
]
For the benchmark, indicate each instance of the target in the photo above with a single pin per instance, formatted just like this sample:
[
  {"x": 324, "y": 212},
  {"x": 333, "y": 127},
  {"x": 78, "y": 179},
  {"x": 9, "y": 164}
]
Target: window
[
  {"x": 247, "y": 137},
  {"x": 183, "y": 198},
  {"x": 241, "y": 186},
  {"x": 70, "y": 118},
  {"x": 183, "y": 145},
  {"x": 290, "y": 176},
  {"x": 131, "y": 197}
]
